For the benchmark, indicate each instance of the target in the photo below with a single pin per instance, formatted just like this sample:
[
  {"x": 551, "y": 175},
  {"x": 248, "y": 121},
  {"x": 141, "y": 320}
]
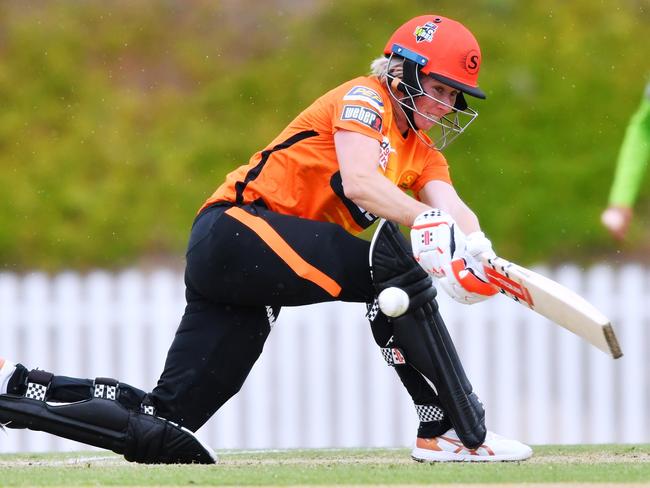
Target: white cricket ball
[{"x": 393, "y": 301}]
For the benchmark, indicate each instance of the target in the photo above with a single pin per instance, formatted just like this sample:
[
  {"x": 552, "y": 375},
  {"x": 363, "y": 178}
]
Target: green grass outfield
[{"x": 575, "y": 466}]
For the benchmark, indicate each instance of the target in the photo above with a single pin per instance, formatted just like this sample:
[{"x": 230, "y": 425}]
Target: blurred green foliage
[{"x": 119, "y": 118}]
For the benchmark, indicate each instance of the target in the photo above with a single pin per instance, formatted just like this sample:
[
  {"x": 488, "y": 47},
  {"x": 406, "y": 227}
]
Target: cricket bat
[{"x": 553, "y": 301}]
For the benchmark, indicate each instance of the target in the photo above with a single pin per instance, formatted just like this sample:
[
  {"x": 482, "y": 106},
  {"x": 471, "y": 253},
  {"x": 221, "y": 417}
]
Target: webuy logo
[
  {"x": 424, "y": 33},
  {"x": 363, "y": 115}
]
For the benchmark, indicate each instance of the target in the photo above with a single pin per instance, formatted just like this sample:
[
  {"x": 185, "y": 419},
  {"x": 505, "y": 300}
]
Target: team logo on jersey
[
  {"x": 384, "y": 153},
  {"x": 407, "y": 179},
  {"x": 424, "y": 33},
  {"x": 365, "y": 94},
  {"x": 363, "y": 115}
]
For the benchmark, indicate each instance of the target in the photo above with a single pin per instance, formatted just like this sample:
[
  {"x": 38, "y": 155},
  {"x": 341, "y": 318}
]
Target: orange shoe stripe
[
  {"x": 430, "y": 444},
  {"x": 461, "y": 447},
  {"x": 284, "y": 251}
]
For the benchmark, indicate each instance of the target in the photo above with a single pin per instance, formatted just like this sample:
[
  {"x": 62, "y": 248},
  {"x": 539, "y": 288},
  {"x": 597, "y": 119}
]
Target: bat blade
[{"x": 554, "y": 301}]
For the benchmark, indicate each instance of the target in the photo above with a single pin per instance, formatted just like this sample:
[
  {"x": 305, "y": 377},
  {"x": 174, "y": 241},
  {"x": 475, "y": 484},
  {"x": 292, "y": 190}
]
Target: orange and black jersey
[{"x": 298, "y": 172}]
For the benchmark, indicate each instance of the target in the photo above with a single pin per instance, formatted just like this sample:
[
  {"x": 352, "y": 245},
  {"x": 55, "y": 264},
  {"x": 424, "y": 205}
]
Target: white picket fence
[{"x": 321, "y": 381}]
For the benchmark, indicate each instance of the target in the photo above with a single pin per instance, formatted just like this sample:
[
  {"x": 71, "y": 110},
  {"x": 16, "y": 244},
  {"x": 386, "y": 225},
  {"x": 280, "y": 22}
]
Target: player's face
[{"x": 439, "y": 103}]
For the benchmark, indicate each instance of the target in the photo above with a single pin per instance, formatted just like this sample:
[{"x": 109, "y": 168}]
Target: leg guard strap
[
  {"x": 393, "y": 355},
  {"x": 430, "y": 413},
  {"x": 105, "y": 388},
  {"x": 38, "y": 382}
]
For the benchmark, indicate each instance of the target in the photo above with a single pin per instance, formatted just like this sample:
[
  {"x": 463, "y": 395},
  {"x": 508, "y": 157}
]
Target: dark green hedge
[{"x": 119, "y": 118}]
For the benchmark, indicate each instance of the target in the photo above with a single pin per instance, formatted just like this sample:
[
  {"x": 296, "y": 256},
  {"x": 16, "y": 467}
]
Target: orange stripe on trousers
[{"x": 275, "y": 241}]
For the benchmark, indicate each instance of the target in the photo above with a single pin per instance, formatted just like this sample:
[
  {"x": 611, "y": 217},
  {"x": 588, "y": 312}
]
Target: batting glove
[
  {"x": 463, "y": 283},
  {"x": 436, "y": 240},
  {"x": 476, "y": 244}
]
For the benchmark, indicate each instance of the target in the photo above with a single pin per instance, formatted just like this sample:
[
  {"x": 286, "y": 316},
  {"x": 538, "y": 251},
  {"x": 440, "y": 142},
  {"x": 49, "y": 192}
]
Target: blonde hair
[{"x": 380, "y": 67}]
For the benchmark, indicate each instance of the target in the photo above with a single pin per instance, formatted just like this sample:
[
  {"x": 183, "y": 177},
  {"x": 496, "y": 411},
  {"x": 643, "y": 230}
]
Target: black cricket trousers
[{"x": 243, "y": 264}]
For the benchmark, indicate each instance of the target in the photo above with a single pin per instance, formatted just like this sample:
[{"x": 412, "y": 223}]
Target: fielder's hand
[{"x": 616, "y": 220}]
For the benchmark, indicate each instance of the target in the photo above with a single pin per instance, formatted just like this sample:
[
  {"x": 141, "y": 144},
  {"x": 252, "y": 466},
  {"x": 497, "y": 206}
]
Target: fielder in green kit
[{"x": 631, "y": 165}]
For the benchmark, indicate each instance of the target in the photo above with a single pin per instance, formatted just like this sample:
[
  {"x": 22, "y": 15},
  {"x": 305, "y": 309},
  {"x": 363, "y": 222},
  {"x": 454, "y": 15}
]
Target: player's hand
[
  {"x": 616, "y": 220},
  {"x": 464, "y": 284},
  {"x": 476, "y": 244},
  {"x": 436, "y": 240}
]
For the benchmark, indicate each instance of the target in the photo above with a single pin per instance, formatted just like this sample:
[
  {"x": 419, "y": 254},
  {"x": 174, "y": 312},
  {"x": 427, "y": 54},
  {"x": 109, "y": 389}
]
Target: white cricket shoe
[
  {"x": 7, "y": 368},
  {"x": 447, "y": 447}
]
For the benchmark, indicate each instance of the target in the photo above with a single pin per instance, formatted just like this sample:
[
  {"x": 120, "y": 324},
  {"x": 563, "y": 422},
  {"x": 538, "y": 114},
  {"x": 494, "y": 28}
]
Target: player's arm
[
  {"x": 440, "y": 194},
  {"x": 443, "y": 196},
  {"x": 368, "y": 188},
  {"x": 630, "y": 168},
  {"x": 358, "y": 157}
]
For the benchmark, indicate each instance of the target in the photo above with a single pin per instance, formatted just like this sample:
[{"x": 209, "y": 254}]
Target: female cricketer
[{"x": 281, "y": 231}]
